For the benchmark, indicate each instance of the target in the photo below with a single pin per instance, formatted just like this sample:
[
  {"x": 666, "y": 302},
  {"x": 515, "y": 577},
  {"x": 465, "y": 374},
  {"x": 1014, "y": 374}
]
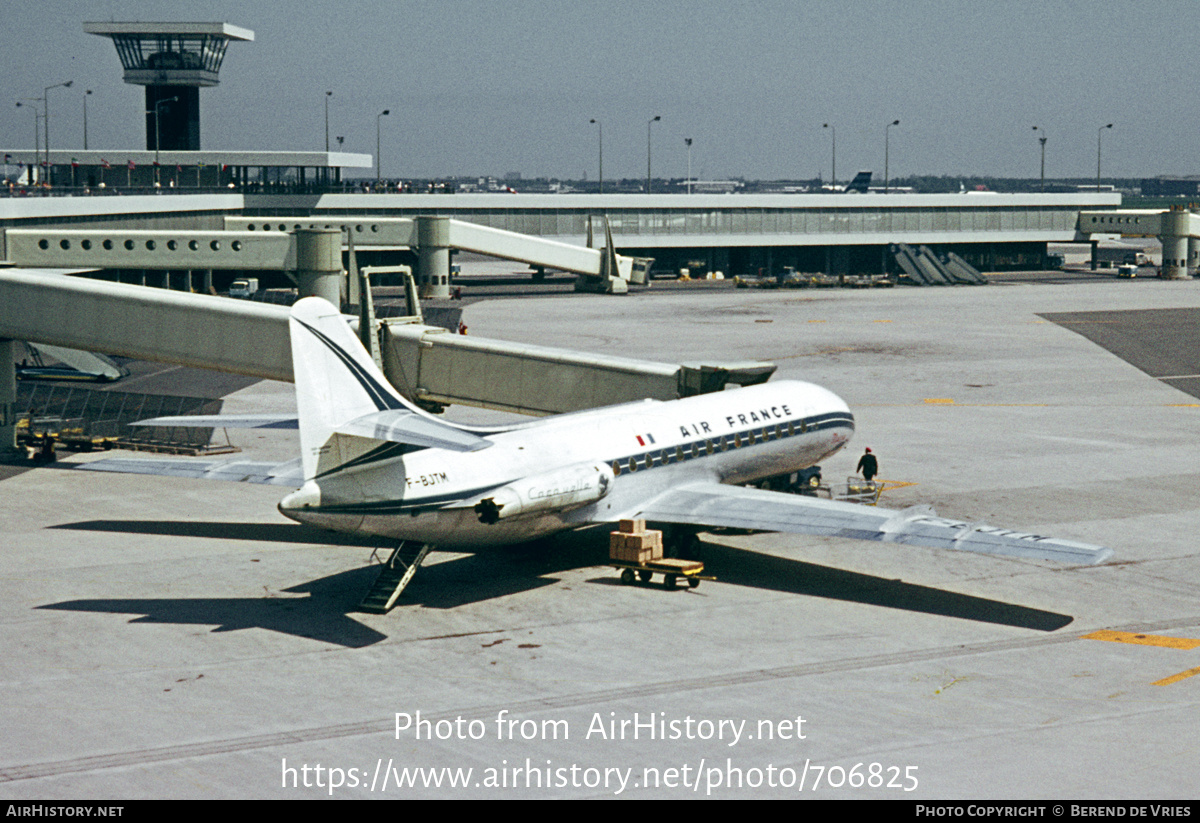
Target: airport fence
[{"x": 83, "y": 418}]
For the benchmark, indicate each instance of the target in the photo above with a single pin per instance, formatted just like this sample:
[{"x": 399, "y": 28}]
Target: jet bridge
[
  {"x": 429, "y": 364},
  {"x": 1177, "y": 228},
  {"x": 599, "y": 269},
  {"x": 307, "y": 249}
]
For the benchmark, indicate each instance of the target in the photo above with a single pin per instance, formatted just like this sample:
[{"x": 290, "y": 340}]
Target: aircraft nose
[{"x": 828, "y": 401}]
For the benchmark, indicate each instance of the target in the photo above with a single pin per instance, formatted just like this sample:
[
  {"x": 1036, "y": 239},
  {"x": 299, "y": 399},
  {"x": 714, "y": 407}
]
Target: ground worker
[{"x": 868, "y": 466}]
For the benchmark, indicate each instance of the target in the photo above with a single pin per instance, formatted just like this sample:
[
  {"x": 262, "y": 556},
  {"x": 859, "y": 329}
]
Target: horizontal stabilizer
[
  {"x": 392, "y": 425},
  {"x": 720, "y": 506},
  {"x": 403, "y": 426},
  {"x": 224, "y": 421},
  {"x": 84, "y": 361},
  {"x": 238, "y": 471}
]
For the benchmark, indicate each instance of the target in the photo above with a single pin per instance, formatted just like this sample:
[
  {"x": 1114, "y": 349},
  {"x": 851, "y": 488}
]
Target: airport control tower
[{"x": 173, "y": 61}]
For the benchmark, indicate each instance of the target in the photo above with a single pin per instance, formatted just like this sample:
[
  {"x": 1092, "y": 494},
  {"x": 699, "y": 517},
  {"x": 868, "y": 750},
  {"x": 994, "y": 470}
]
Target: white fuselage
[{"x": 636, "y": 451}]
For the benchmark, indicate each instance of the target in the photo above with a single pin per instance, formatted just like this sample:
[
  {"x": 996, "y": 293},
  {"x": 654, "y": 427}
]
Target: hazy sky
[{"x": 479, "y": 87}]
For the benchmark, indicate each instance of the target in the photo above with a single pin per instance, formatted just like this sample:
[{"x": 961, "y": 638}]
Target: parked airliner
[{"x": 373, "y": 463}]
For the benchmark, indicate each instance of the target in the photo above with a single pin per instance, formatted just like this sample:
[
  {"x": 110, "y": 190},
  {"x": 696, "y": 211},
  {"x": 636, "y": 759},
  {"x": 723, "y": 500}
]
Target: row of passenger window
[{"x": 704, "y": 448}]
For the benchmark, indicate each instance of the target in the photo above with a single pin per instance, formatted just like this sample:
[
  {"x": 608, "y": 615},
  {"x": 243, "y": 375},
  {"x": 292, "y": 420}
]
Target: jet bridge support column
[
  {"x": 1176, "y": 225},
  {"x": 433, "y": 256},
  {"x": 319, "y": 263},
  {"x": 8, "y": 401}
]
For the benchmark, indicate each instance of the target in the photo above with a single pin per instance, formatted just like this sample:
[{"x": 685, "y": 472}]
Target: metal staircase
[{"x": 394, "y": 576}]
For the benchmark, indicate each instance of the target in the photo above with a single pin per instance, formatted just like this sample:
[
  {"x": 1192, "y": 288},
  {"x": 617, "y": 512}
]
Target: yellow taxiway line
[{"x": 1152, "y": 640}]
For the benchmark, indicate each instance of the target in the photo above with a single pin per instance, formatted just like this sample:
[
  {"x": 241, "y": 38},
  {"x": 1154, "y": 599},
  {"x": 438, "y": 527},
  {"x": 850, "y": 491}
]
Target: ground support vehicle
[{"x": 670, "y": 568}]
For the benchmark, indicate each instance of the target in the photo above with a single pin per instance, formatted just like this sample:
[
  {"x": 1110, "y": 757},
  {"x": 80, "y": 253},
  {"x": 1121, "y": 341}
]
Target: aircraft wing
[
  {"x": 241, "y": 471},
  {"x": 720, "y": 506}
]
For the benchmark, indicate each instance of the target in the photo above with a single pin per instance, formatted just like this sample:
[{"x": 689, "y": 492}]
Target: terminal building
[
  {"x": 731, "y": 234},
  {"x": 740, "y": 234}
]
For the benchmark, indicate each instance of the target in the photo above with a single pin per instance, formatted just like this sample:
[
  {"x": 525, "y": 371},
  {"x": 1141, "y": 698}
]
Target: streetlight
[
  {"x": 688, "y": 141},
  {"x": 378, "y": 160},
  {"x": 1099, "y": 134},
  {"x": 651, "y": 122},
  {"x": 37, "y": 135},
  {"x": 833, "y": 133},
  {"x": 328, "y": 94},
  {"x": 600, "y": 126},
  {"x": 86, "y": 95},
  {"x": 158, "y": 131},
  {"x": 886, "y": 130},
  {"x": 46, "y": 102},
  {"x": 1042, "y": 140},
  {"x": 37, "y": 139}
]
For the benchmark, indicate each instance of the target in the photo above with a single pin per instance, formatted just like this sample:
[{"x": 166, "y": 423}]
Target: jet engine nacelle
[{"x": 559, "y": 490}]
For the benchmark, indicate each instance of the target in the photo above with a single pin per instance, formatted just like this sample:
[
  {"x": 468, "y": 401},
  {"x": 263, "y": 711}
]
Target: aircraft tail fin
[
  {"x": 346, "y": 406},
  {"x": 860, "y": 183}
]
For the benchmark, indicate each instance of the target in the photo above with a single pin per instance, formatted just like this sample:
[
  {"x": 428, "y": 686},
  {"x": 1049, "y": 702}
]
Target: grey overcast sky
[{"x": 477, "y": 87}]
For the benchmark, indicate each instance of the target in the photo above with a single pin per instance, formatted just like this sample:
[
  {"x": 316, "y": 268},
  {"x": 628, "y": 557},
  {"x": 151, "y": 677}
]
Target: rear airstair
[{"x": 394, "y": 575}]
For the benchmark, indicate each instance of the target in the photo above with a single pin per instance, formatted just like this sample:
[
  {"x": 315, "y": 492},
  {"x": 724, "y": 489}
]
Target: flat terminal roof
[
  {"x": 142, "y": 157},
  {"x": 226, "y": 30}
]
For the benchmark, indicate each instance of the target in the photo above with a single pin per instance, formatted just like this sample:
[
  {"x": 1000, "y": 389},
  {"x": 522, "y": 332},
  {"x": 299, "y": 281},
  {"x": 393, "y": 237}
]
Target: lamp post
[
  {"x": 328, "y": 94},
  {"x": 158, "y": 132},
  {"x": 688, "y": 141},
  {"x": 37, "y": 135},
  {"x": 37, "y": 138},
  {"x": 886, "y": 133},
  {"x": 649, "y": 123},
  {"x": 378, "y": 159},
  {"x": 1042, "y": 140},
  {"x": 86, "y": 95},
  {"x": 46, "y": 103},
  {"x": 833, "y": 134},
  {"x": 1099, "y": 134},
  {"x": 600, "y": 126}
]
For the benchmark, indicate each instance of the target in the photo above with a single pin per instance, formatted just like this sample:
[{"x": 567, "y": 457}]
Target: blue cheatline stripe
[
  {"x": 400, "y": 505},
  {"x": 379, "y": 395},
  {"x": 669, "y": 455}
]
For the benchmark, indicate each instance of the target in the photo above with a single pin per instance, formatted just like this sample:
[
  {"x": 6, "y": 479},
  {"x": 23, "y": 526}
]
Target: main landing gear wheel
[{"x": 682, "y": 542}]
